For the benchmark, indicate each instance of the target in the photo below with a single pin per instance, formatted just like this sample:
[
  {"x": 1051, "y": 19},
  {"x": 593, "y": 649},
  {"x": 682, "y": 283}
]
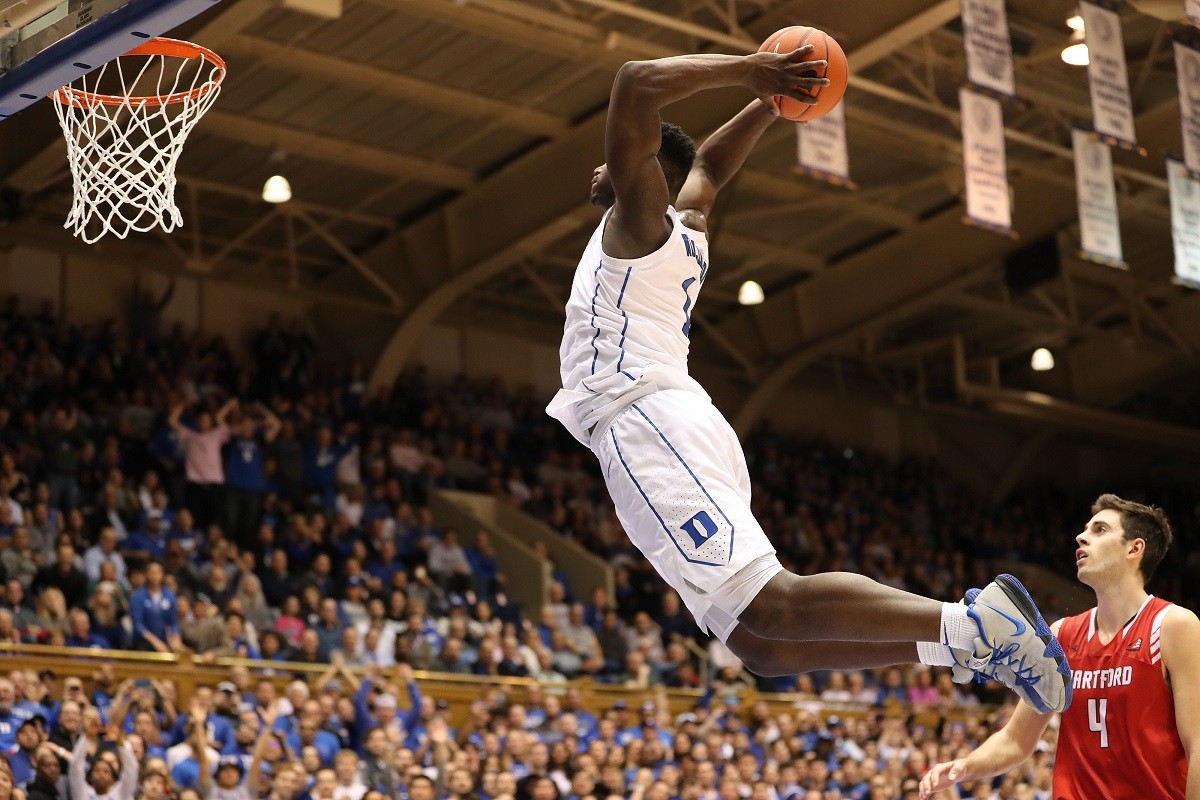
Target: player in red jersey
[{"x": 1134, "y": 725}]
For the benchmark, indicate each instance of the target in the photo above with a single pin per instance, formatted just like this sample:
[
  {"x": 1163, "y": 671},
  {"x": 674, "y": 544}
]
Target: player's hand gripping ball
[{"x": 836, "y": 70}]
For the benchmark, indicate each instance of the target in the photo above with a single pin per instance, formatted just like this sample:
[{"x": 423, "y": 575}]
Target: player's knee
[
  {"x": 757, "y": 656},
  {"x": 780, "y": 609}
]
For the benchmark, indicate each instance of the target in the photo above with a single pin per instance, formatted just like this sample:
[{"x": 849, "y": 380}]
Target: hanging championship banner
[
  {"x": 989, "y": 50},
  {"x": 1112, "y": 110},
  {"x": 821, "y": 148},
  {"x": 1099, "y": 226},
  {"x": 1185, "y": 222},
  {"x": 984, "y": 161},
  {"x": 1187, "y": 70}
]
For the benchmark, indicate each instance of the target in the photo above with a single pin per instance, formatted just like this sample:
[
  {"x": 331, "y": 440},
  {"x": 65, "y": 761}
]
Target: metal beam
[
  {"x": 731, "y": 349},
  {"x": 213, "y": 261},
  {"x": 777, "y": 254},
  {"x": 334, "y": 150},
  {"x": 149, "y": 254},
  {"x": 408, "y": 335},
  {"x": 216, "y": 187},
  {"x": 351, "y": 258},
  {"x": 552, "y": 297},
  {"x": 534, "y": 29},
  {"x": 791, "y": 188},
  {"x": 904, "y": 34},
  {"x": 428, "y": 94},
  {"x": 669, "y": 22}
]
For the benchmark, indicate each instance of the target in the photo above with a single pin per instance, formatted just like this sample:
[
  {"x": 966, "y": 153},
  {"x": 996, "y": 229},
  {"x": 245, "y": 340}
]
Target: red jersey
[{"x": 1118, "y": 739}]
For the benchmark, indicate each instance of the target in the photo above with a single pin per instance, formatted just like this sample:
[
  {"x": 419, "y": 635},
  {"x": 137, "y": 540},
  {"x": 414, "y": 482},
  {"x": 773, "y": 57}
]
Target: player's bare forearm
[
  {"x": 1005, "y": 749},
  {"x": 719, "y": 159},
  {"x": 663, "y": 81},
  {"x": 724, "y": 153},
  {"x": 1000, "y": 753}
]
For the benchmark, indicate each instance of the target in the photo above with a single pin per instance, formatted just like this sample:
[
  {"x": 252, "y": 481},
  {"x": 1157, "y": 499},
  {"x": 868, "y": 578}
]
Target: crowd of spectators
[
  {"x": 164, "y": 492},
  {"x": 342, "y": 737}
]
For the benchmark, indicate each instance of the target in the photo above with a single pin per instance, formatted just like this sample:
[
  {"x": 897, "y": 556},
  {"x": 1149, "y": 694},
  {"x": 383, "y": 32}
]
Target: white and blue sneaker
[{"x": 1015, "y": 647}]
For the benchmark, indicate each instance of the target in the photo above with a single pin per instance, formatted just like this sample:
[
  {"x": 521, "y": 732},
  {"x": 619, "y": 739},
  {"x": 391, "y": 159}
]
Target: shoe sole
[{"x": 1020, "y": 598}]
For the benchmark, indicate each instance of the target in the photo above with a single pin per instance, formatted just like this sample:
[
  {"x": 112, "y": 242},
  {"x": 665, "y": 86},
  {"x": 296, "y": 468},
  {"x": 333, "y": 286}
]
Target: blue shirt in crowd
[
  {"x": 156, "y": 614},
  {"x": 245, "y": 463}
]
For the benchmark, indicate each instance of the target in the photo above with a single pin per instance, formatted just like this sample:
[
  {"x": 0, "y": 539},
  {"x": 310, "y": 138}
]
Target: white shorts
[{"x": 677, "y": 475}]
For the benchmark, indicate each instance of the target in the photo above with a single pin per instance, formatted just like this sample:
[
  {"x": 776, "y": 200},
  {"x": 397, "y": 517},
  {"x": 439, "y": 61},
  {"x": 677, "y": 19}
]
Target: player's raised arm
[
  {"x": 719, "y": 159},
  {"x": 1181, "y": 656},
  {"x": 634, "y": 132}
]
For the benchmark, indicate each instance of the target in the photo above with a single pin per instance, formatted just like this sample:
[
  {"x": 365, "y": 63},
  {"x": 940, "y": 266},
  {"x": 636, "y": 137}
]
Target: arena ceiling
[{"x": 440, "y": 151}]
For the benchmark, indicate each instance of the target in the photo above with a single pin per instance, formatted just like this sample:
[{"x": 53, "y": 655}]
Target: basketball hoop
[{"x": 125, "y": 126}]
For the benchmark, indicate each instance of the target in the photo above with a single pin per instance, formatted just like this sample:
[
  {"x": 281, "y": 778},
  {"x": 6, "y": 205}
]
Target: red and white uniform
[{"x": 1118, "y": 739}]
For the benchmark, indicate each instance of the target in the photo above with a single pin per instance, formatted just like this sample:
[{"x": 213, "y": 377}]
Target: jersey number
[{"x": 1098, "y": 718}]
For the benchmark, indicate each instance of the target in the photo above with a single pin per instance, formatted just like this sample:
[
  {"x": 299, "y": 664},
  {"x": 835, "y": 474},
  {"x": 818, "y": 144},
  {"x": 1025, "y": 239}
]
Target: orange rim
[{"x": 175, "y": 48}]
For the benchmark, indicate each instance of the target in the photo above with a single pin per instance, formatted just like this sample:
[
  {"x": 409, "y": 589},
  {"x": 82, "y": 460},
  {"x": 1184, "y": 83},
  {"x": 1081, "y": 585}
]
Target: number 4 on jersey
[{"x": 1098, "y": 718}]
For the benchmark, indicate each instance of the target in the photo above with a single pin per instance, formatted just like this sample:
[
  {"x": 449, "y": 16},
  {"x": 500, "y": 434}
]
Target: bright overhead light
[
  {"x": 1042, "y": 361},
  {"x": 751, "y": 293},
  {"x": 1076, "y": 53},
  {"x": 1075, "y": 23},
  {"x": 277, "y": 189}
]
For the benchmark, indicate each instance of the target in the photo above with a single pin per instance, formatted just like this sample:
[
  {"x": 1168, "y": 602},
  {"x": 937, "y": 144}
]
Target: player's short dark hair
[
  {"x": 1148, "y": 523},
  {"x": 676, "y": 154}
]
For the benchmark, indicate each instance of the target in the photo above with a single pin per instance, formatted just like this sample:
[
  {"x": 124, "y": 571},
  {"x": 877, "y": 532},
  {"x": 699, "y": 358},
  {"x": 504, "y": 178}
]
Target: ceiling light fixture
[
  {"x": 1042, "y": 361},
  {"x": 1076, "y": 55},
  {"x": 751, "y": 293},
  {"x": 1075, "y": 23},
  {"x": 277, "y": 189}
]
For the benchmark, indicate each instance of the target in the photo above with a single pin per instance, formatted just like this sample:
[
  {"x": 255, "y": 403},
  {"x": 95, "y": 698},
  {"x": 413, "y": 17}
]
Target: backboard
[{"x": 45, "y": 44}]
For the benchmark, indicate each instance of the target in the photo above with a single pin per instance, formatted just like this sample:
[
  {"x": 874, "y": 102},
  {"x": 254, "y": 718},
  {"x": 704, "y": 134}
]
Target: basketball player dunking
[
  {"x": 674, "y": 466},
  {"x": 1135, "y": 725}
]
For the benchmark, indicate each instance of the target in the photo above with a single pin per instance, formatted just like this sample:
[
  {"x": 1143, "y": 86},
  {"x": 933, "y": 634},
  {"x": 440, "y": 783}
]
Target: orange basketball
[{"x": 825, "y": 48}]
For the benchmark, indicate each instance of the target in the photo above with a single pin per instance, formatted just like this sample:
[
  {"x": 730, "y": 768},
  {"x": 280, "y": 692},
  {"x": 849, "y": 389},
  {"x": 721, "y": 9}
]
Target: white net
[{"x": 125, "y": 126}]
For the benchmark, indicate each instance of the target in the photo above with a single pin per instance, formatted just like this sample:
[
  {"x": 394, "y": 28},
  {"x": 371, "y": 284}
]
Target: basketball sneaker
[{"x": 1015, "y": 647}]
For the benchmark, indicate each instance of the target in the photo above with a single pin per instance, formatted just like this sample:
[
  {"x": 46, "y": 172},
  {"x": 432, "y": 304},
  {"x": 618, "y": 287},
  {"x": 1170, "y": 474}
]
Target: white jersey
[{"x": 627, "y": 327}]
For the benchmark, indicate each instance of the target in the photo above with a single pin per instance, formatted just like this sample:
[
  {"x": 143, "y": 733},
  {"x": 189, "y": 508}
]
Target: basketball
[{"x": 825, "y": 48}]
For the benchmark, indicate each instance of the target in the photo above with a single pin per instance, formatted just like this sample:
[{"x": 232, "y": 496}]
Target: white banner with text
[
  {"x": 1185, "y": 222},
  {"x": 1187, "y": 70},
  {"x": 984, "y": 161},
  {"x": 1108, "y": 77},
  {"x": 821, "y": 147},
  {"x": 1099, "y": 225},
  {"x": 989, "y": 50}
]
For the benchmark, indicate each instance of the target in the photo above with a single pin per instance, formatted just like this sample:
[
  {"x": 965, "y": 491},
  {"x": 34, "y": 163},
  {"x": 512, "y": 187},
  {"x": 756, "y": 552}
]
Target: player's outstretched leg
[
  {"x": 771, "y": 658},
  {"x": 1002, "y": 635}
]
